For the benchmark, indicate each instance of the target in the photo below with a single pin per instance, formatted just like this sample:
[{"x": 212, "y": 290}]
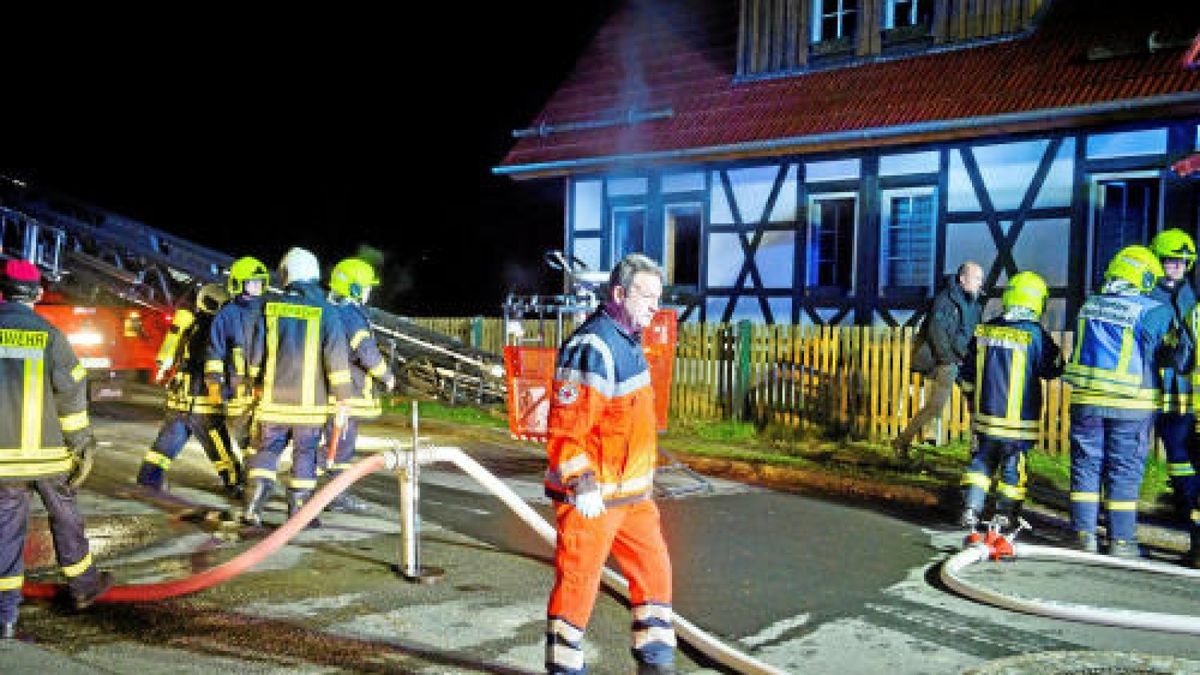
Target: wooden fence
[{"x": 853, "y": 381}]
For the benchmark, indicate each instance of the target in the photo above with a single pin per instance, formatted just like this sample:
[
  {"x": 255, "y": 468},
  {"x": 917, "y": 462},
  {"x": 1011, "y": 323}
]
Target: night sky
[{"x": 329, "y": 132}]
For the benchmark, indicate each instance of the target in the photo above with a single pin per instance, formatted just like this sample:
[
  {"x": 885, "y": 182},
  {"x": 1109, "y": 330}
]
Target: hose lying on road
[
  {"x": 244, "y": 561},
  {"x": 1124, "y": 618},
  {"x": 390, "y": 460}
]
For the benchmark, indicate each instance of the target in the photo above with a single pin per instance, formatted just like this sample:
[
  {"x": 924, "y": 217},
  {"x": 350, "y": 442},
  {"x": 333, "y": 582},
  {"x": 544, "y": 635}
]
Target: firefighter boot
[
  {"x": 969, "y": 518},
  {"x": 1086, "y": 542},
  {"x": 1192, "y": 557},
  {"x": 104, "y": 581},
  {"x": 8, "y": 631},
  {"x": 296, "y": 500},
  {"x": 655, "y": 668},
  {"x": 1125, "y": 548},
  {"x": 258, "y": 498}
]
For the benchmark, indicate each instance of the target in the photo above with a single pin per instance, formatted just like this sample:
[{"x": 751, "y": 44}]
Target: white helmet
[{"x": 299, "y": 264}]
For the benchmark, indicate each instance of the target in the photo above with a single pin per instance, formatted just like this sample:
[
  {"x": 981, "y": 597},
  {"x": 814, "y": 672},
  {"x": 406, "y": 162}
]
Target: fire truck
[{"x": 114, "y": 284}]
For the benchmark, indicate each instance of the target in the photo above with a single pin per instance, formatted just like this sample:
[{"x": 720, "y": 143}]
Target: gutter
[{"x": 776, "y": 146}]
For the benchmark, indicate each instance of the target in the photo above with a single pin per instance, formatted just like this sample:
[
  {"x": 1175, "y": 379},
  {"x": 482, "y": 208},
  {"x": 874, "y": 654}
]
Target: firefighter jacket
[
  {"x": 301, "y": 354},
  {"x": 1002, "y": 371},
  {"x": 601, "y": 424},
  {"x": 1121, "y": 343},
  {"x": 367, "y": 365},
  {"x": 187, "y": 390},
  {"x": 43, "y": 395},
  {"x": 1177, "y": 384},
  {"x": 226, "y": 357}
]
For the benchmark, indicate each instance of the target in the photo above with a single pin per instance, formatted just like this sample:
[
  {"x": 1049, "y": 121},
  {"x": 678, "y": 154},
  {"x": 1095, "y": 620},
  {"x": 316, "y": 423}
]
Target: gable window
[
  {"x": 906, "y": 241},
  {"x": 907, "y": 13},
  {"x": 1124, "y": 212},
  {"x": 681, "y": 254},
  {"x": 830, "y": 256},
  {"x": 834, "y": 20}
]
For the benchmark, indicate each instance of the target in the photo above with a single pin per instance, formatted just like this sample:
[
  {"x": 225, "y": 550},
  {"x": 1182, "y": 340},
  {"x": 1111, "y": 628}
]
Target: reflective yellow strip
[
  {"x": 12, "y": 583},
  {"x": 239, "y": 361},
  {"x": 379, "y": 370},
  {"x": 1126, "y": 352},
  {"x": 79, "y": 567},
  {"x": 358, "y": 338},
  {"x": 339, "y": 377},
  {"x": 1196, "y": 516},
  {"x": 1092, "y": 372},
  {"x": 31, "y": 423},
  {"x": 1010, "y": 491},
  {"x": 214, "y": 366},
  {"x": 1121, "y": 505},
  {"x": 157, "y": 459},
  {"x": 1085, "y": 497},
  {"x": 262, "y": 473},
  {"x": 312, "y": 351},
  {"x": 979, "y": 364},
  {"x": 78, "y": 373},
  {"x": 226, "y": 460},
  {"x": 341, "y": 466},
  {"x": 303, "y": 483},
  {"x": 272, "y": 355},
  {"x": 1022, "y": 476},
  {"x": 60, "y": 464},
  {"x": 1181, "y": 469},
  {"x": 74, "y": 422},
  {"x": 1079, "y": 397},
  {"x": 1016, "y": 384},
  {"x": 977, "y": 479}
]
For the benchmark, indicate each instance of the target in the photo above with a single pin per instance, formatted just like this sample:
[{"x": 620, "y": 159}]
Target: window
[
  {"x": 681, "y": 254},
  {"x": 628, "y": 232},
  {"x": 834, "y": 19},
  {"x": 907, "y": 13},
  {"x": 830, "y": 257},
  {"x": 906, "y": 241},
  {"x": 1125, "y": 211}
]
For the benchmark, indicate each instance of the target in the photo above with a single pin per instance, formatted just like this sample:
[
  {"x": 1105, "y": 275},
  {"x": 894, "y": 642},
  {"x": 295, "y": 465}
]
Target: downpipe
[{"x": 1105, "y": 616}]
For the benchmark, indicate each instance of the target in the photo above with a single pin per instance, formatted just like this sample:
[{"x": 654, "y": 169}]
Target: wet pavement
[{"x": 803, "y": 584}]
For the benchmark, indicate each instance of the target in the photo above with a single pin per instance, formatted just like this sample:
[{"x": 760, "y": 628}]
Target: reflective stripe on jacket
[
  {"x": 601, "y": 425},
  {"x": 1177, "y": 385},
  {"x": 1005, "y": 361},
  {"x": 303, "y": 352},
  {"x": 367, "y": 365},
  {"x": 43, "y": 395},
  {"x": 188, "y": 391},
  {"x": 230, "y": 338},
  {"x": 1115, "y": 364}
]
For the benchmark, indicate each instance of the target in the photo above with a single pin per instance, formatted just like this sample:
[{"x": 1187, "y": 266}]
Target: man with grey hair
[
  {"x": 602, "y": 452},
  {"x": 941, "y": 344}
]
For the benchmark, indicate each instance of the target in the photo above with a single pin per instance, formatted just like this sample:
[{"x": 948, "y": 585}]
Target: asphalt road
[{"x": 803, "y": 584}]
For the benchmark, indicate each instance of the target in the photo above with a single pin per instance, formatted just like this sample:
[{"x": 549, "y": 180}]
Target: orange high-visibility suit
[{"x": 602, "y": 438}]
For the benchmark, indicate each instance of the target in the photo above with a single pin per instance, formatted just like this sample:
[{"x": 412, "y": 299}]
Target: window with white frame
[
  {"x": 907, "y": 13},
  {"x": 1125, "y": 211},
  {"x": 628, "y": 231},
  {"x": 830, "y": 248},
  {"x": 906, "y": 241},
  {"x": 833, "y": 19}
]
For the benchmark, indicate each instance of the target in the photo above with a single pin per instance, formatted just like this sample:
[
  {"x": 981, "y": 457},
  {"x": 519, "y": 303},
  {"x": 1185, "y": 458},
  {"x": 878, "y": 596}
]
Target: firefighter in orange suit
[
  {"x": 602, "y": 452},
  {"x": 46, "y": 443}
]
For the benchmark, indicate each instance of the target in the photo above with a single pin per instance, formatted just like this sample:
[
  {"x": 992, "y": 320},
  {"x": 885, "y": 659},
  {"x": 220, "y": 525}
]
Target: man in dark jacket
[{"x": 941, "y": 345}]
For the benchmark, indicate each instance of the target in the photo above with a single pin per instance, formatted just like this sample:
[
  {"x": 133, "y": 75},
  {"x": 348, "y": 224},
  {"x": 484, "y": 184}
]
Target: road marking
[{"x": 774, "y": 631}]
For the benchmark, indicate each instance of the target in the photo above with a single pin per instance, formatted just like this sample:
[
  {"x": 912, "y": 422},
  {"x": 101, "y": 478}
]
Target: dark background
[{"x": 253, "y": 134}]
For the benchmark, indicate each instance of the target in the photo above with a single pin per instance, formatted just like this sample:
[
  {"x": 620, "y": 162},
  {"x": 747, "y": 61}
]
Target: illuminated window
[
  {"x": 906, "y": 240},
  {"x": 906, "y": 13},
  {"x": 834, "y": 19}
]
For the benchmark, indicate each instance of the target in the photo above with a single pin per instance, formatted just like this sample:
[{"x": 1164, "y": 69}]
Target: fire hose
[
  {"x": 391, "y": 460},
  {"x": 1003, "y": 548}
]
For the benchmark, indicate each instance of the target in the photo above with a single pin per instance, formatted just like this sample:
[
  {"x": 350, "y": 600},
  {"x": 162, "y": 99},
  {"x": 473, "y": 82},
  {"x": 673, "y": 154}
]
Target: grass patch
[{"x": 433, "y": 410}]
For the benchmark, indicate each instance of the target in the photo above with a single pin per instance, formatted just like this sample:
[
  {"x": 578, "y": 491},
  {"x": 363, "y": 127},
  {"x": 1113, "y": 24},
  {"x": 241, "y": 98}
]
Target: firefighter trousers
[
  {"x": 264, "y": 463},
  {"x": 66, "y": 530},
  {"x": 1110, "y": 454},
  {"x": 989, "y": 455},
  {"x": 347, "y": 442},
  {"x": 178, "y": 427},
  {"x": 633, "y": 535},
  {"x": 1176, "y": 432}
]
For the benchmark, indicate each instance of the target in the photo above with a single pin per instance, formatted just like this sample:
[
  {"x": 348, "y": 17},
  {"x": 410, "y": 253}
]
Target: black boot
[
  {"x": 296, "y": 500},
  {"x": 258, "y": 498},
  {"x": 8, "y": 631},
  {"x": 1192, "y": 557},
  {"x": 104, "y": 581}
]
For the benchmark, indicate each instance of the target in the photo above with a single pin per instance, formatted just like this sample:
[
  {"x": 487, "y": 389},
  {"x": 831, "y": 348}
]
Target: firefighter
[
  {"x": 301, "y": 355},
  {"x": 46, "y": 442},
  {"x": 1122, "y": 339},
  {"x": 193, "y": 409},
  {"x": 1177, "y": 252},
  {"x": 1005, "y": 359},
  {"x": 229, "y": 338},
  {"x": 350, "y": 286},
  {"x": 602, "y": 452}
]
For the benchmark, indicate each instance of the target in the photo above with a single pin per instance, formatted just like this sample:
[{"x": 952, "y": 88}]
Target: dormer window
[
  {"x": 907, "y": 13},
  {"x": 834, "y": 21}
]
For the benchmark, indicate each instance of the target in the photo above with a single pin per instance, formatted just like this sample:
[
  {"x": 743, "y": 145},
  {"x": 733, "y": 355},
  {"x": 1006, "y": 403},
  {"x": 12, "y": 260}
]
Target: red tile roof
[{"x": 652, "y": 60}]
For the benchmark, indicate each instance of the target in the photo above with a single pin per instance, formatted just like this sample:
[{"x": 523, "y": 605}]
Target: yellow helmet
[
  {"x": 1136, "y": 264},
  {"x": 351, "y": 277},
  {"x": 1174, "y": 243},
  {"x": 1026, "y": 289},
  {"x": 243, "y": 270}
]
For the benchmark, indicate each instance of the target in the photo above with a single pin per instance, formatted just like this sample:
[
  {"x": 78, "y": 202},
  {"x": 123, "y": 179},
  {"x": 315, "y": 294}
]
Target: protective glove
[
  {"x": 82, "y": 444},
  {"x": 589, "y": 504}
]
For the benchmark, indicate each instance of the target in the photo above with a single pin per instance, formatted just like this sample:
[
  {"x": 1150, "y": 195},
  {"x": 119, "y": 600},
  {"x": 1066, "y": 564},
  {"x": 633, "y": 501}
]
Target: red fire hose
[{"x": 244, "y": 561}]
